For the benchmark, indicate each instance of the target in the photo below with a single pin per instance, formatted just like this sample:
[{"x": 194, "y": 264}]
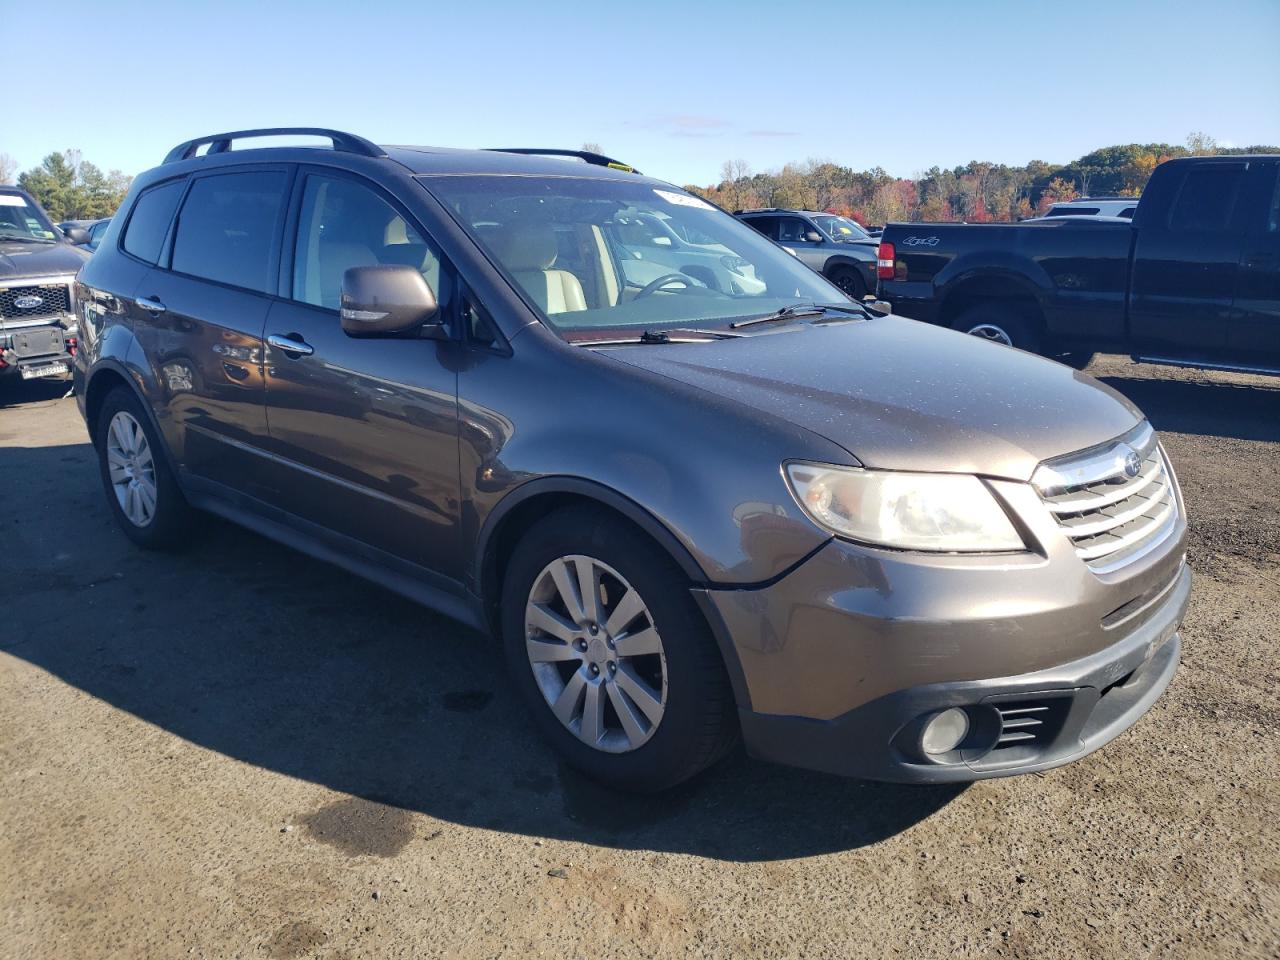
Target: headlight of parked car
[{"x": 913, "y": 511}]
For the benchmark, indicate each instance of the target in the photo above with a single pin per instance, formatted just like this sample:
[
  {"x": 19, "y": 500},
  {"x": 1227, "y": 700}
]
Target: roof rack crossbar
[
  {"x": 596, "y": 159},
  {"x": 221, "y": 142}
]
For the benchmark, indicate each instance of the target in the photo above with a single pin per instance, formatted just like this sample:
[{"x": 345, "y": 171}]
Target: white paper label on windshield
[
  {"x": 12, "y": 200},
  {"x": 683, "y": 199}
]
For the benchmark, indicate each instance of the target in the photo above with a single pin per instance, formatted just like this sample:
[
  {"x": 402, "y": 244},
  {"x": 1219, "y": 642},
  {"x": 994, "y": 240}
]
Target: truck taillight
[{"x": 884, "y": 261}]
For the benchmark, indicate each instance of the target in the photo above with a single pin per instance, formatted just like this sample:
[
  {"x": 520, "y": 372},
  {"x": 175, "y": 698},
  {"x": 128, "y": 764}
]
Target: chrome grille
[
  {"x": 54, "y": 301},
  {"x": 1110, "y": 516}
]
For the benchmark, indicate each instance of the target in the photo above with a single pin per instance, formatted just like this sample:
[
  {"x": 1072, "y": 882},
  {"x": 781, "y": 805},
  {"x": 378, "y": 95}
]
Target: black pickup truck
[
  {"x": 1193, "y": 280},
  {"x": 38, "y": 266}
]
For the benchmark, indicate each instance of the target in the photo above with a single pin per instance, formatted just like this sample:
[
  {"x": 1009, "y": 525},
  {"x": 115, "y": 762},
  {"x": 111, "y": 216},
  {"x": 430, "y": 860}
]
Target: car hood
[
  {"x": 903, "y": 395},
  {"x": 18, "y": 260}
]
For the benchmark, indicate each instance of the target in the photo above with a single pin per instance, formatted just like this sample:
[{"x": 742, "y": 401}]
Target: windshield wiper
[
  {"x": 794, "y": 312},
  {"x": 24, "y": 238},
  {"x": 675, "y": 335}
]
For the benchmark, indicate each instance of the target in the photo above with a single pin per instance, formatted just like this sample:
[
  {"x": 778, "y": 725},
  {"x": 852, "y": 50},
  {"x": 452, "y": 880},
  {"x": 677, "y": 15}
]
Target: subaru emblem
[
  {"x": 1132, "y": 464},
  {"x": 28, "y": 302}
]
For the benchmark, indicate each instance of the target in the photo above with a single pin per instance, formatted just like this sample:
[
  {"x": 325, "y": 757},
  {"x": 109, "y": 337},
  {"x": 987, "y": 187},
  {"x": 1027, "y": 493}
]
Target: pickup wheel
[
  {"x": 1077, "y": 359},
  {"x": 611, "y": 654},
  {"x": 141, "y": 489},
  {"x": 1001, "y": 324},
  {"x": 850, "y": 281}
]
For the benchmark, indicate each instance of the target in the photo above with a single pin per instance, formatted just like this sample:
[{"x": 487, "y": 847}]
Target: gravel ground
[{"x": 239, "y": 752}]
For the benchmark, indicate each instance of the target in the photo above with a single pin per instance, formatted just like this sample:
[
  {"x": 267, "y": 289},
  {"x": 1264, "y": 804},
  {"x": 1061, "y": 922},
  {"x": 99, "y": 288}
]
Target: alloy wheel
[
  {"x": 132, "y": 469},
  {"x": 596, "y": 654},
  {"x": 989, "y": 331}
]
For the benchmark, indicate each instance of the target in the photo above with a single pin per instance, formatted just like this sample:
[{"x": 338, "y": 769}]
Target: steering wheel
[{"x": 653, "y": 286}]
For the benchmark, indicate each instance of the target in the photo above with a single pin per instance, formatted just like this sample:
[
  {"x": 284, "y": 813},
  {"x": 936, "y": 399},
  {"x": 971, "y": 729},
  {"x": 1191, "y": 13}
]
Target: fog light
[{"x": 944, "y": 731}]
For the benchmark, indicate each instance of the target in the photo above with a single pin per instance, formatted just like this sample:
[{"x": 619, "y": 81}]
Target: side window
[
  {"x": 342, "y": 225},
  {"x": 766, "y": 225},
  {"x": 227, "y": 226},
  {"x": 793, "y": 230},
  {"x": 1206, "y": 199},
  {"x": 149, "y": 221}
]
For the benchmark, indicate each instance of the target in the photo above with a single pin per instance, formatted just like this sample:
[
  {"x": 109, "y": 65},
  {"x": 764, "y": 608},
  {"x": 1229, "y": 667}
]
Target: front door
[
  {"x": 1254, "y": 336},
  {"x": 363, "y": 431},
  {"x": 1185, "y": 264}
]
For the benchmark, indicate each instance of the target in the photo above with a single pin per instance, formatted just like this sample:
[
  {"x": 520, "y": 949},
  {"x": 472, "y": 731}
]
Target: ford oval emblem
[
  {"x": 1132, "y": 464},
  {"x": 28, "y": 302}
]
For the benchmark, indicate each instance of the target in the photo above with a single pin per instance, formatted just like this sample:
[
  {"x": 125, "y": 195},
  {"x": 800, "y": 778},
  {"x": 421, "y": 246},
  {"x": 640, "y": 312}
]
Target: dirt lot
[{"x": 238, "y": 752}]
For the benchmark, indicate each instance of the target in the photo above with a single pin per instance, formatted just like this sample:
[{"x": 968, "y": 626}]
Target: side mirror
[
  {"x": 813, "y": 236},
  {"x": 77, "y": 235},
  {"x": 388, "y": 299}
]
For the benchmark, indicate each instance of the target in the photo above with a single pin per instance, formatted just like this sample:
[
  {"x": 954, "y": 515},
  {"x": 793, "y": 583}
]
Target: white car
[{"x": 1095, "y": 207}]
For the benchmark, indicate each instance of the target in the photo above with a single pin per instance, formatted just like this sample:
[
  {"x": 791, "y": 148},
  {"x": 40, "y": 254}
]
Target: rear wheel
[
  {"x": 611, "y": 654},
  {"x": 1000, "y": 323},
  {"x": 140, "y": 487},
  {"x": 1078, "y": 359}
]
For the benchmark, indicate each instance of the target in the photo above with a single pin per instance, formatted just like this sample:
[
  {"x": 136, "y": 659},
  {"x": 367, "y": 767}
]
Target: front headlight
[{"x": 951, "y": 513}]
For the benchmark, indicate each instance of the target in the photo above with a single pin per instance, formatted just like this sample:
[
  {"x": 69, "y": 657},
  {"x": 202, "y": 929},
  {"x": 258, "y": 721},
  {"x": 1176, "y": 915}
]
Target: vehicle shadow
[
  {"x": 15, "y": 392},
  {"x": 252, "y": 650},
  {"x": 1207, "y": 407}
]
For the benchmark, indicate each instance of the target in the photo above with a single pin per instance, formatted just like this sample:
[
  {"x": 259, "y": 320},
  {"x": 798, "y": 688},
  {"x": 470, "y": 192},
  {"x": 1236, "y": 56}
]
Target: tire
[
  {"x": 155, "y": 514},
  {"x": 1000, "y": 323},
  {"x": 1077, "y": 359},
  {"x": 674, "y": 654},
  {"x": 850, "y": 281}
]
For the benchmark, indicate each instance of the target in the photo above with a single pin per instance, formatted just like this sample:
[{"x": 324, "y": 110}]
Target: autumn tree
[{"x": 8, "y": 167}]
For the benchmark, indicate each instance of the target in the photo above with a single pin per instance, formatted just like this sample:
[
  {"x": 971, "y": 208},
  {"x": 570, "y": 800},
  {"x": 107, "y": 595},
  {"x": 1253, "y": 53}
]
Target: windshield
[
  {"x": 21, "y": 220},
  {"x": 610, "y": 256},
  {"x": 841, "y": 228}
]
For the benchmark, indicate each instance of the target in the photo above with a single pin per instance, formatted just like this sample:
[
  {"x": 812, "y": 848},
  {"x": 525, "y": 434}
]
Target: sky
[{"x": 673, "y": 88}]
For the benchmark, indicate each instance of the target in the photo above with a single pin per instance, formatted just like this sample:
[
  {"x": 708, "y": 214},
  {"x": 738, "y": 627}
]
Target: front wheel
[
  {"x": 612, "y": 655},
  {"x": 850, "y": 282}
]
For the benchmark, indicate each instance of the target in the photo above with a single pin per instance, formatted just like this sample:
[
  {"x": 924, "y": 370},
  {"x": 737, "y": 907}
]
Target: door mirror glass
[
  {"x": 77, "y": 235},
  {"x": 388, "y": 299},
  {"x": 813, "y": 236}
]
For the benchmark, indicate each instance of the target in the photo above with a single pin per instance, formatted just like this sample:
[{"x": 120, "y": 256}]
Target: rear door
[
  {"x": 199, "y": 318},
  {"x": 1185, "y": 265},
  {"x": 1254, "y": 335},
  {"x": 363, "y": 432}
]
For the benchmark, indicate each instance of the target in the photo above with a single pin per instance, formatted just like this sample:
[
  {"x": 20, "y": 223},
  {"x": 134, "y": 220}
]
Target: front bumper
[
  {"x": 836, "y": 665},
  {"x": 1073, "y": 709}
]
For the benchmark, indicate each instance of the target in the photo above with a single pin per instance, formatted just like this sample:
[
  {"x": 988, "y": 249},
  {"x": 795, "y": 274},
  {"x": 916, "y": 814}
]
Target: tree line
[
  {"x": 70, "y": 187},
  {"x": 977, "y": 192}
]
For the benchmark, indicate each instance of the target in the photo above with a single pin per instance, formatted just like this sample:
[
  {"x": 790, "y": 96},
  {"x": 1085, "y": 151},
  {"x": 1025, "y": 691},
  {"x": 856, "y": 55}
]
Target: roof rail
[
  {"x": 221, "y": 142},
  {"x": 595, "y": 159}
]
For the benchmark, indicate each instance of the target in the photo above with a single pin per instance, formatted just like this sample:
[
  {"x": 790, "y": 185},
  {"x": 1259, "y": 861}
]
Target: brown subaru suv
[{"x": 698, "y": 492}]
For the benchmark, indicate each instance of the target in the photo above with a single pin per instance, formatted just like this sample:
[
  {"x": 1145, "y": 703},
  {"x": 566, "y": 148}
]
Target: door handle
[
  {"x": 291, "y": 345},
  {"x": 150, "y": 304}
]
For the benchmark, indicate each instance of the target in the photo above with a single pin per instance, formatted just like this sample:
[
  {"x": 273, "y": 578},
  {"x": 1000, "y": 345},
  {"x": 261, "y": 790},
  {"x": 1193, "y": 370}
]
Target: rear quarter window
[
  {"x": 228, "y": 226},
  {"x": 149, "y": 221}
]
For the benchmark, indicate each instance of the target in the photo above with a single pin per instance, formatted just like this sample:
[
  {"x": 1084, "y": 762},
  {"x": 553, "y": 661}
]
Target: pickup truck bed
[{"x": 1194, "y": 280}]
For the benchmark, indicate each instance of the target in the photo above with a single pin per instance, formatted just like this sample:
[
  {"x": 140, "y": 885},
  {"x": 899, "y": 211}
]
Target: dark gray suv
[{"x": 693, "y": 507}]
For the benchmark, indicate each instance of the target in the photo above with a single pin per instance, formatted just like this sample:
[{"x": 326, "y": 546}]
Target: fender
[
  {"x": 1007, "y": 270},
  {"x": 846, "y": 260},
  {"x": 647, "y": 522},
  {"x": 592, "y": 491},
  {"x": 136, "y": 381}
]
